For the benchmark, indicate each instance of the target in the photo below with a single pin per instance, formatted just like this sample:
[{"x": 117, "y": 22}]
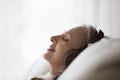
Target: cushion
[
  {"x": 86, "y": 65},
  {"x": 39, "y": 67},
  {"x": 92, "y": 59}
]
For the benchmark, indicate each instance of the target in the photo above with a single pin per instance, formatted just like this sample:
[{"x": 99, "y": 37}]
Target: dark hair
[
  {"x": 97, "y": 37},
  {"x": 72, "y": 54}
]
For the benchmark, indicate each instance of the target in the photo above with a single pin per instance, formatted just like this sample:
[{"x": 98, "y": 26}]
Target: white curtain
[{"x": 26, "y": 26}]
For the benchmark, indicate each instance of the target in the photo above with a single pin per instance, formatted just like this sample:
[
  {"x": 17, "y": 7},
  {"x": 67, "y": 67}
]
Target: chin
[{"x": 47, "y": 56}]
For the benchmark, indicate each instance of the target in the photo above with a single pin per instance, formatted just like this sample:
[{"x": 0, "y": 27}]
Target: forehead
[{"x": 77, "y": 31}]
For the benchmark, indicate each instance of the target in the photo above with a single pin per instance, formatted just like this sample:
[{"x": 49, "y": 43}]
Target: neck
[{"x": 56, "y": 69}]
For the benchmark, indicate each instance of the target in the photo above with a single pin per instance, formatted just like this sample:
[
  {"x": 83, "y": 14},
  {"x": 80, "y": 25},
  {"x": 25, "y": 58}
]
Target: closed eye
[{"x": 65, "y": 38}]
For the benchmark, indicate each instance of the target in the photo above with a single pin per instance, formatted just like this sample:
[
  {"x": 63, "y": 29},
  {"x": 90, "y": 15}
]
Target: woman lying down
[{"x": 65, "y": 47}]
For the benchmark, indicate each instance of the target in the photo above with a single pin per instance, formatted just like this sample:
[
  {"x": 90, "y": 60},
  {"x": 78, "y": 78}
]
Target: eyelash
[{"x": 65, "y": 39}]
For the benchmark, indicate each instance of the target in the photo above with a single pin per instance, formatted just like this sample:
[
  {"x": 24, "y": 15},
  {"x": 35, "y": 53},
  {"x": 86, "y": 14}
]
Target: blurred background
[{"x": 26, "y": 27}]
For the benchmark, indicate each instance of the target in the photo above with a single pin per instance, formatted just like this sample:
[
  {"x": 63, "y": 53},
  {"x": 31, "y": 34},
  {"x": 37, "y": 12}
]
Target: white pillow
[
  {"x": 86, "y": 64},
  {"x": 39, "y": 67},
  {"x": 98, "y": 54}
]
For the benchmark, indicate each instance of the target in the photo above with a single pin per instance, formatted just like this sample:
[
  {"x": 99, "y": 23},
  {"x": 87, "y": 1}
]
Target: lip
[{"x": 51, "y": 48}]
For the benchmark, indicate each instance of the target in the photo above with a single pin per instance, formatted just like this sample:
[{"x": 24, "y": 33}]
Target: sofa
[{"x": 99, "y": 61}]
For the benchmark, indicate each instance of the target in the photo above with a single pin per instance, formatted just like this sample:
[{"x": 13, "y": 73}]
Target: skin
[{"x": 74, "y": 38}]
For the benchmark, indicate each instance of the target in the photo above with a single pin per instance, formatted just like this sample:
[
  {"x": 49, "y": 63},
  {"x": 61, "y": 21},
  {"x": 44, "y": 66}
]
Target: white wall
[
  {"x": 109, "y": 17},
  {"x": 115, "y": 18},
  {"x": 26, "y": 26}
]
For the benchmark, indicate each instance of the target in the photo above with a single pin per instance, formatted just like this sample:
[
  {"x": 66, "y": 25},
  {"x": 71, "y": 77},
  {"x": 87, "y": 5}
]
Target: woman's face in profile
[{"x": 61, "y": 44}]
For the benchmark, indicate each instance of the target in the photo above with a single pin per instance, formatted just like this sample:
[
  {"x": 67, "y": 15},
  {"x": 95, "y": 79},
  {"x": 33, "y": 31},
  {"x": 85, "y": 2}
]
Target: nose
[{"x": 54, "y": 39}]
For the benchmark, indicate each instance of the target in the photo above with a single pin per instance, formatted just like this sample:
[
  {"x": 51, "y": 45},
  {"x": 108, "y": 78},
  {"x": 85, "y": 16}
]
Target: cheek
[
  {"x": 75, "y": 44},
  {"x": 61, "y": 49}
]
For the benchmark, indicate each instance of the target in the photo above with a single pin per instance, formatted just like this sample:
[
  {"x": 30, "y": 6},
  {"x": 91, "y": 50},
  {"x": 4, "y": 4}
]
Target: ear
[{"x": 95, "y": 35}]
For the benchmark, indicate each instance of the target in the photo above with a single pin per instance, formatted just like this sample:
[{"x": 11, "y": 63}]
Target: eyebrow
[{"x": 67, "y": 33}]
